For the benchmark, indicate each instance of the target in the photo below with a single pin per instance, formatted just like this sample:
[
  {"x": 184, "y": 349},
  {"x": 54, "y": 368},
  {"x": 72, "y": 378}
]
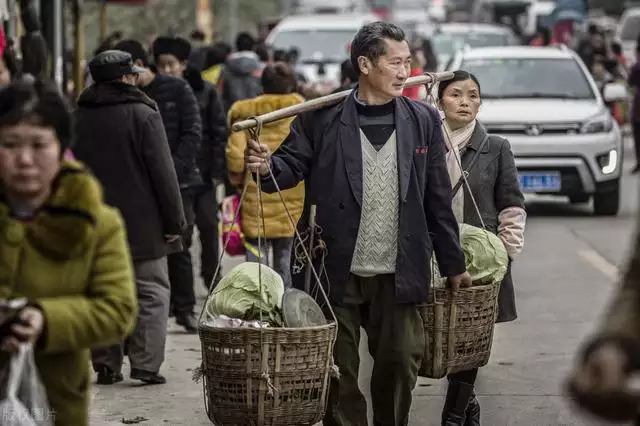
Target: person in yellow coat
[
  {"x": 61, "y": 247},
  {"x": 279, "y": 83}
]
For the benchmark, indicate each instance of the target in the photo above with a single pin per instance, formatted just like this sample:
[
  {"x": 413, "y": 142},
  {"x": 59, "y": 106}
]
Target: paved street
[{"x": 563, "y": 279}]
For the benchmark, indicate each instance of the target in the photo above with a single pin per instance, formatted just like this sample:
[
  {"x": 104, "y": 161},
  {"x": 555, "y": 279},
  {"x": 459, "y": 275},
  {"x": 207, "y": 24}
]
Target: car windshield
[
  {"x": 530, "y": 78},
  {"x": 630, "y": 28},
  {"x": 315, "y": 45},
  {"x": 446, "y": 44}
]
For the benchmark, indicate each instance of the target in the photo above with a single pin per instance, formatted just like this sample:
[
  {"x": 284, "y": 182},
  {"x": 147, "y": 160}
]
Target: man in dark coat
[
  {"x": 171, "y": 57},
  {"x": 240, "y": 78},
  {"x": 183, "y": 125},
  {"x": 374, "y": 166},
  {"x": 122, "y": 140}
]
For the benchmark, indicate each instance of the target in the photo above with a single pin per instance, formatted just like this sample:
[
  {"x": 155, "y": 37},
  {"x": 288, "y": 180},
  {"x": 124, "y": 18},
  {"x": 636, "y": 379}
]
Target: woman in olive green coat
[{"x": 61, "y": 248}]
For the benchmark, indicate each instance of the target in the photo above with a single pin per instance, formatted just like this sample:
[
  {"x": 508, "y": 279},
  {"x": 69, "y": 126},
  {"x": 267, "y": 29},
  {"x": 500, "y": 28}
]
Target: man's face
[
  {"x": 388, "y": 75},
  {"x": 170, "y": 65}
]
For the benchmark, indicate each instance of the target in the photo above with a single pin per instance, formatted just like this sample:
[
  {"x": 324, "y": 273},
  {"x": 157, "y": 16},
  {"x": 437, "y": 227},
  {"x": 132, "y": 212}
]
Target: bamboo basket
[
  {"x": 293, "y": 387},
  {"x": 458, "y": 322},
  {"x": 267, "y": 376},
  {"x": 459, "y": 329}
]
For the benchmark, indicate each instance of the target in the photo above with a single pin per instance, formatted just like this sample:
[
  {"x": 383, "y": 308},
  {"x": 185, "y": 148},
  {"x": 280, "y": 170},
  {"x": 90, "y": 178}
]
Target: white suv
[{"x": 545, "y": 102}]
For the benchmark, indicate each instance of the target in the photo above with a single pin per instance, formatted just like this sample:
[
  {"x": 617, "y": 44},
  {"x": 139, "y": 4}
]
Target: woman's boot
[
  {"x": 473, "y": 411},
  {"x": 454, "y": 412}
]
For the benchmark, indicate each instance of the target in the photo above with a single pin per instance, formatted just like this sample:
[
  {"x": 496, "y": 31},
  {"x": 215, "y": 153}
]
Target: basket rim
[
  {"x": 472, "y": 288},
  {"x": 331, "y": 324}
]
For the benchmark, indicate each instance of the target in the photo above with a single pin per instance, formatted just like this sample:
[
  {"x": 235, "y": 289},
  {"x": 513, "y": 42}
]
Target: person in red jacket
[
  {"x": 542, "y": 38},
  {"x": 418, "y": 63}
]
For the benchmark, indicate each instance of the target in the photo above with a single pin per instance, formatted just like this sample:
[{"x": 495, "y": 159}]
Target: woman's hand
[{"x": 26, "y": 330}]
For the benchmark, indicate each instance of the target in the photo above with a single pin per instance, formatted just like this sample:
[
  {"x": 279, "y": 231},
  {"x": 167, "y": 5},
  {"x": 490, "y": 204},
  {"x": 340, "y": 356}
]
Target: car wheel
[
  {"x": 607, "y": 203},
  {"x": 579, "y": 198}
]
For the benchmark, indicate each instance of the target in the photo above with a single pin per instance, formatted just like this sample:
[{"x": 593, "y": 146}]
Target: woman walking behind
[
  {"x": 279, "y": 83},
  {"x": 61, "y": 247},
  {"x": 493, "y": 179}
]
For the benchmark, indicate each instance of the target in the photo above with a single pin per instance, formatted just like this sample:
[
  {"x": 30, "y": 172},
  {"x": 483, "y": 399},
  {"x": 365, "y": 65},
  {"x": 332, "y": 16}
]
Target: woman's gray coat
[{"x": 494, "y": 182}]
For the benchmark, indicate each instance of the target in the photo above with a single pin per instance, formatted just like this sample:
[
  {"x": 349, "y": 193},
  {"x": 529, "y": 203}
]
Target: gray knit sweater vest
[{"x": 377, "y": 243}]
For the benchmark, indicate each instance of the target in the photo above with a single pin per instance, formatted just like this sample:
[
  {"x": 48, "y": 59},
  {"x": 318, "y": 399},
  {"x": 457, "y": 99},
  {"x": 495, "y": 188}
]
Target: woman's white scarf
[{"x": 456, "y": 141}]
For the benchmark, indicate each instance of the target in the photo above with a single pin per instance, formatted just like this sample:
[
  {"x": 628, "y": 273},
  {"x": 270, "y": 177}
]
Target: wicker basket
[
  {"x": 459, "y": 329},
  {"x": 268, "y": 377}
]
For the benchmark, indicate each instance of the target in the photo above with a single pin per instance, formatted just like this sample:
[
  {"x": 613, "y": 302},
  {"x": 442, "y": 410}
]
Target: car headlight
[
  {"x": 601, "y": 123},
  {"x": 608, "y": 162}
]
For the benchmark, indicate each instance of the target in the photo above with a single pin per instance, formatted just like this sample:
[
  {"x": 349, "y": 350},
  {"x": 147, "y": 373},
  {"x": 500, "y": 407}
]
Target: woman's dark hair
[
  {"x": 280, "y": 55},
  {"x": 458, "y": 76},
  {"x": 39, "y": 102},
  {"x": 278, "y": 79},
  {"x": 135, "y": 49},
  {"x": 369, "y": 41}
]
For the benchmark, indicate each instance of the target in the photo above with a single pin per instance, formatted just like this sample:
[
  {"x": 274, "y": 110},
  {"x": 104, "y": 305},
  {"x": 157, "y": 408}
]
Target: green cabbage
[
  {"x": 485, "y": 255},
  {"x": 238, "y": 294}
]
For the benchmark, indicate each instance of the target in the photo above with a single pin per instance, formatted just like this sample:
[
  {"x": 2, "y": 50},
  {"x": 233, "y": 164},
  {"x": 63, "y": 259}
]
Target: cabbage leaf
[
  {"x": 485, "y": 256},
  {"x": 238, "y": 294}
]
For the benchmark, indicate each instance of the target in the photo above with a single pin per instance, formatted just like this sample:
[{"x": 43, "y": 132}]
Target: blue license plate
[{"x": 540, "y": 181}]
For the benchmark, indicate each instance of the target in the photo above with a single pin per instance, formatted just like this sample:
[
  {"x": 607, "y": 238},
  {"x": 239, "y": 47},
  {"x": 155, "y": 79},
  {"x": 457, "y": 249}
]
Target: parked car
[
  {"x": 544, "y": 100},
  {"x": 323, "y": 42},
  {"x": 331, "y": 6},
  {"x": 407, "y": 13},
  {"x": 448, "y": 38}
]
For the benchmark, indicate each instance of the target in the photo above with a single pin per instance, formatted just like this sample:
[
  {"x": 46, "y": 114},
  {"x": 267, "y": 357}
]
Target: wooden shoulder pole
[{"x": 328, "y": 100}]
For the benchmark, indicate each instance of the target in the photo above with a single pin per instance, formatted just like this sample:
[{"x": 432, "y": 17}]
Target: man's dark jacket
[
  {"x": 122, "y": 140},
  {"x": 212, "y": 159},
  {"x": 324, "y": 149},
  {"x": 182, "y": 122}
]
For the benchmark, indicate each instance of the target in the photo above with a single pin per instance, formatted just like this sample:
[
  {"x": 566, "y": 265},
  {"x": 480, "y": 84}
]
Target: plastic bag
[
  {"x": 232, "y": 230},
  {"x": 26, "y": 403}
]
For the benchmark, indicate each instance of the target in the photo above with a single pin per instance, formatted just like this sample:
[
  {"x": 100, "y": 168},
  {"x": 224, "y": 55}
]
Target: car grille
[{"x": 534, "y": 129}]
